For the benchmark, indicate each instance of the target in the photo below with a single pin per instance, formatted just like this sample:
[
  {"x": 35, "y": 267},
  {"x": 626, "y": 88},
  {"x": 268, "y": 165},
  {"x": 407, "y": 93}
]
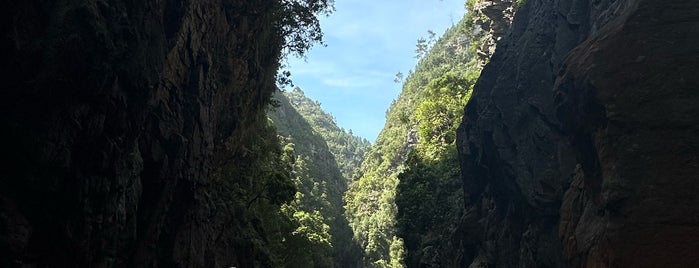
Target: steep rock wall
[
  {"x": 584, "y": 158},
  {"x": 116, "y": 116},
  {"x": 628, "y": 101}
]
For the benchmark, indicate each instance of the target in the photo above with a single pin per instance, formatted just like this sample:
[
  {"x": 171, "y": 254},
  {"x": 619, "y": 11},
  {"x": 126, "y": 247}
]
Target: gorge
[{"x": 532, "y": 133}]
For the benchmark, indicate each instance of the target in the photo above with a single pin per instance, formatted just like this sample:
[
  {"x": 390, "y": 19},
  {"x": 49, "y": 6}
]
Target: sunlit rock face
[
  {"x": 115, "y": 116},
  {"x": 578, "y": 147},
  {"x": 494, "y": 17}
]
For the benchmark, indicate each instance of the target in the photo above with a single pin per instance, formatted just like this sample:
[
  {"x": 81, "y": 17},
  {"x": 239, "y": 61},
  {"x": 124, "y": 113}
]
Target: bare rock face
[
  {"x": 578, "y": 147},
  {"x": 115, "y": 117},
  {"x": 494, "y": 17},
  {"x": 629, "y": 103}
]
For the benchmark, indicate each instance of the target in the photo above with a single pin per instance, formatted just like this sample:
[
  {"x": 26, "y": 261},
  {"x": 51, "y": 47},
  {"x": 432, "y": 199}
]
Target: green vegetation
[
  {"x": 348, "y": 150},
  {"x": 299, "y": 24},
  {"x": 290, "y": 185},
  {"x": 262, "y": 185},
  {"x": 405, "y": 206},
  {"x": 313, "y": 146}
]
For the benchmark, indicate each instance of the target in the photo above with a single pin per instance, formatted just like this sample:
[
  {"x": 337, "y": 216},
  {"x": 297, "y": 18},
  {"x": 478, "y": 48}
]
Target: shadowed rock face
[
  {"x": 115, "y": 117},
  {"x": 628, "y": 99},
  {"x": 578, "y": 147}
]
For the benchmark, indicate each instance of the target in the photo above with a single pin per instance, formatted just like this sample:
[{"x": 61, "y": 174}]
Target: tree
[
  {"x": 299, "y": 26},
  {"x": 438, "y": 115},
  {"x": 424, "y": 44},
  {"x": 398, "y": 78},
  {"x": 299, "y": 23},
  {"x": 421, "y": 47}
]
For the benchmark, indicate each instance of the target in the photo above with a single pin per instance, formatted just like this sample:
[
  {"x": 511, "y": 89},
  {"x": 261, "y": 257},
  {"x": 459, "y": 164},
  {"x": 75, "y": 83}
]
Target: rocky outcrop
[
  {"x": 494, "y": 17},
  {"x": 116, "y": 116},
  {"x": 578, "y": 147}
]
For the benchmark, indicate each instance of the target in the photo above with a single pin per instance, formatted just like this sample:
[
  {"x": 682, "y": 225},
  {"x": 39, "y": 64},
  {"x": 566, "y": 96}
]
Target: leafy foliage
[
  {"x": 429, "y": 199},
  {"x": 299, "y": 24},
  {"x": 438, "y": 115}
]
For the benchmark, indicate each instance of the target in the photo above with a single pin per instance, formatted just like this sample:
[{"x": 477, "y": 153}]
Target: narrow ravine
[{"x": 171, "y": 133}]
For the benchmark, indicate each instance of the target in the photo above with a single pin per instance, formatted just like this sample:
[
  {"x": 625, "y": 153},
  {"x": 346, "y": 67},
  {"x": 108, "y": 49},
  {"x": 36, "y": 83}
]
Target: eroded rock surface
[
  {"x": 494, "y": 17},
  {"x": 629, "y": 101},
  {"x": 578, "y": 147},
  {"x": 115, "y": 118}
]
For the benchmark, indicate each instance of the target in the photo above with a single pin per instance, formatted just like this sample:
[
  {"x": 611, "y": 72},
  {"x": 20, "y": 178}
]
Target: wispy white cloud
[{"x": 366, "y": 82}]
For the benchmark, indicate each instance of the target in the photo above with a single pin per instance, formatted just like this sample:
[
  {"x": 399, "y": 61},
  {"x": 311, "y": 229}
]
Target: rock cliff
[
  {"x": 116, "y": 117},
  {"x": 578, "y": 146},
  {"x": 495, "y": 18}
]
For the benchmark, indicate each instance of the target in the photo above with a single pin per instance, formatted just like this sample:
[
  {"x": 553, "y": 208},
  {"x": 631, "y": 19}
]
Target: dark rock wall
[
  {"x": 579, "y": 145},
  {"x": 115, "y": 116},
  {"x": 629, "y": 102}
]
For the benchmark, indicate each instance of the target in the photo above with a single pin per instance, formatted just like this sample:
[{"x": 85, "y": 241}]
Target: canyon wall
[
  {"x": 116, "y": 118},
  {"x": 578, "y": 146}
]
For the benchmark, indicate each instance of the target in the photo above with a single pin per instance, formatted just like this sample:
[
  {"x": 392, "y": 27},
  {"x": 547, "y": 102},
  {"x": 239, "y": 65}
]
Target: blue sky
[{"x": 368, "y": 42}]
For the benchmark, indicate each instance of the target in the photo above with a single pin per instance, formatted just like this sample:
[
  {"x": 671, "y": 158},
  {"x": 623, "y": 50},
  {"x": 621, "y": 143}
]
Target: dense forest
[{"x": 529, "y": 134}]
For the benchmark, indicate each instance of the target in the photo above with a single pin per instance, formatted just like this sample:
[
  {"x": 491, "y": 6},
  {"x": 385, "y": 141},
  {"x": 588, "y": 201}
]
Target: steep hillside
[
  {"x": 349, "y": 150},
  {"x": 135, "y": 131},
  {"x": 307, "y": 131},
  {"x": 578, "y": 146}
]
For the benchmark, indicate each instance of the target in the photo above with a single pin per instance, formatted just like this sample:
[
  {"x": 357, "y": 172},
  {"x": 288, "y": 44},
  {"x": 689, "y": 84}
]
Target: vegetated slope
[
  {"x": 136, "y": 135},
  {"x": 406, "y": 205},
  {"x": 578, "y": 146},
  {"x": 429, "y": 195},
  {"x": 348, "y": 149},
  {"x": 318, "y": 205}
]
